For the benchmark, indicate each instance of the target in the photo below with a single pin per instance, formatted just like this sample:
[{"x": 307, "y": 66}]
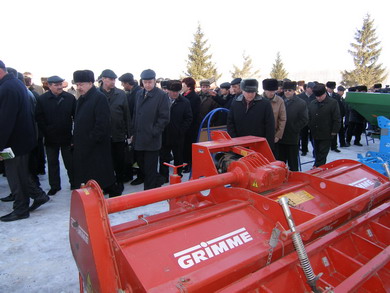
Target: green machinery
[{"x": 370, "y": 105}]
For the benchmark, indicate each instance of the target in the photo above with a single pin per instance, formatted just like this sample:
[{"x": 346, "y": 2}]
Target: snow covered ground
[{"x": 35, "y": 254}]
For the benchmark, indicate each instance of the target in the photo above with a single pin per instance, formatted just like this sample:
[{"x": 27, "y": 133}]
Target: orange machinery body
[{"x": 217, "y": 233}]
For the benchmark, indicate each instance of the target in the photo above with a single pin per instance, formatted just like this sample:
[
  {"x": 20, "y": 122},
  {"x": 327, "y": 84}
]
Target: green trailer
[{"x": 370, "y": 105}]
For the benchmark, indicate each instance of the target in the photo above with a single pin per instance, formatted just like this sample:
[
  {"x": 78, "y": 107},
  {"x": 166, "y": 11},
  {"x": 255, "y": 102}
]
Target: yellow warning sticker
[
  {"x": 244, "y": 153},
  {"x": 298, "y": 197},
  {"x": 254, "y": 184}
]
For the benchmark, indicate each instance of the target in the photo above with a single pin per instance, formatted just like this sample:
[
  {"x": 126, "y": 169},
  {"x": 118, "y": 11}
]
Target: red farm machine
[{"x": 243, "y": 223}]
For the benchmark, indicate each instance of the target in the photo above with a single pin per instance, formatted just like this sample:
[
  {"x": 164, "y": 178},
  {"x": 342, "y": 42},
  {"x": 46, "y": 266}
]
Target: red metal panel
[{"x": 220, "y": 242}]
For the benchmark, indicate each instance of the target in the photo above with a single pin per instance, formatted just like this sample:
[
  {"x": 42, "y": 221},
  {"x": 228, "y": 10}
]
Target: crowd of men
[{"x": 101, "y": 131}]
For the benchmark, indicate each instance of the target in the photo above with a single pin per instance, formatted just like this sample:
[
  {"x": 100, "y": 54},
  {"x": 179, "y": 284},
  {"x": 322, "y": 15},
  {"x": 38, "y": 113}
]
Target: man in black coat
[
  {"x": 356, "y": 123},
  {"x": 251, "y": 114},
  {"x": 131, "y": 88},
  {"x": 324, "y": 123},
  {"x": 18, "y": 133},
  {"x": 224, "y": 99},
  {"x": 54, "y": 114},
  {"x": 307, "y": 96},
  {"x": 191, "y": 136},
  {"x": 330, "y": 87},
  {"x": 151, "y": 115},
  {"x": 297, "y": 118},
  {"x": 175, "y": 131},
  {"x": 92, "y": 135},
  {"x": 120, "y": 122}
]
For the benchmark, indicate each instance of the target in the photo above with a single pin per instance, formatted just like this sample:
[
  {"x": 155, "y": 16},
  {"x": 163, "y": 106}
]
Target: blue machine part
[
  {"x": 384, "y": 124},
  {"x": 376, "y": 160}
]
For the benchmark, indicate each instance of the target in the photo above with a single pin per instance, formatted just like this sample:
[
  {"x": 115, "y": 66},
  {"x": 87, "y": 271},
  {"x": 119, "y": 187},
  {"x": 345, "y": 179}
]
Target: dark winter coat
[
  {"x": 17, "y": 125},
  {"x": 355, "y": 117},
  {"x": 324, "y": 118},
  {"x": 179, "y": 122},
  {"x": 307, "y": 99},
  {"x": 194, "y": 99},
  {"x": 223, "y": 102},
  {"x": 340, "y": 102},
  {"x": 92, "y": 144},
  {"x": 258, "y": 119},
  {"x": 54, "y": 116},
  {"x": 131, "y": 99},
  {"x": 207, "y": 104},
  {"x": 151, "y": 115},
  {"x": 297, "y": 118},
  {"x": 120, "y": 114}
]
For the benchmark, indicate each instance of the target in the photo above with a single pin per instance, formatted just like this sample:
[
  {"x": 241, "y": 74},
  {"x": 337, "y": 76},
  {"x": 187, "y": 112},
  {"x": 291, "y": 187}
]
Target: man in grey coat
[
  {"x": 120, "y": 123},
  {"x": 151, "y": 115}
]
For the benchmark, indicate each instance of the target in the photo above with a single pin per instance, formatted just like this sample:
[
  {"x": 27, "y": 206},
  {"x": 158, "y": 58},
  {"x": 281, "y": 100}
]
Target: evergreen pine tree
[
  {"x": 278, "y": 71},
  {"x": 365, "y": 54},
  {"x": 199, "y": 64},
  {"x": 246, "y": 70}
]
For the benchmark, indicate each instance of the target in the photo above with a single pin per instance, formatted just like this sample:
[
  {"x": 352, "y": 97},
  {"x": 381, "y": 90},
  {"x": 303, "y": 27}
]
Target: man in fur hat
[
  {"x": 251, "y": 114},
  {"x": 92, "y": 136},
  {"x": 270, "y": 86}
]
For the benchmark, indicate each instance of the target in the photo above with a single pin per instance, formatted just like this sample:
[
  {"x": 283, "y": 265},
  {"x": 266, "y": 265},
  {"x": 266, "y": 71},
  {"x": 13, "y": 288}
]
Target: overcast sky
[{"x": 313, "y": 37}]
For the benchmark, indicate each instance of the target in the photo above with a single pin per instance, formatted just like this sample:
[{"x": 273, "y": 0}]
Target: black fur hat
[
  {"x": 319, "y": 89},
  {"x": 289, "y": 85},
  {"x": 331, "y": 85},
  {"x": 270, "y": 84},
  {"x": 175, "y": 85},
  {"x": 361, "y": 88},
  {"x": 83, "y": 76}
]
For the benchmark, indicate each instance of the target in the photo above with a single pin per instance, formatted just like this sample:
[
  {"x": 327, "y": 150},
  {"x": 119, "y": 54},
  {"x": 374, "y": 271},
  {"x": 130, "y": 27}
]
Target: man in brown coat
[{"x": 270, "y": 86}]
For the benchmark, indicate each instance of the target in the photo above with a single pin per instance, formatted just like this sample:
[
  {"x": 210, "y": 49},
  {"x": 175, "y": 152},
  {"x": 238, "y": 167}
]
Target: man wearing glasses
[{"x": 297, "y": 118}]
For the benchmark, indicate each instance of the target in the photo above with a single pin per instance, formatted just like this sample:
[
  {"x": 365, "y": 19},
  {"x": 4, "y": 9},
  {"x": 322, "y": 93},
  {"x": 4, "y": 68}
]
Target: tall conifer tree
[
  {"x": 278, "y": 71},
  {"x": 199, "y": 64},
  {"x": 246, "y": 70},
  {"x": 365, "y": 52}
]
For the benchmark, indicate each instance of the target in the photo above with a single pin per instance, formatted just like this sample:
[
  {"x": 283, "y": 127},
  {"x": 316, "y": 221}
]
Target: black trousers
[
  {"x": 190, "y": 138},
  {"x": 40, "y": 153},
  {"x": 53, "y": 164},
  {"x": 140, "y": 172},
  {"x": 342, "y": 135},
  {"x": 288, "y": 153},
  {"x": 321, "y": 150},
  {"x": 21, "y": 183},
  {"x": 355, "y": 129},
  {"x": 305, "y": 133},
  {"x": 118, "y": 159},
  {"x": 148, "y": 160},
  {"x": 165, "y": 156}
]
